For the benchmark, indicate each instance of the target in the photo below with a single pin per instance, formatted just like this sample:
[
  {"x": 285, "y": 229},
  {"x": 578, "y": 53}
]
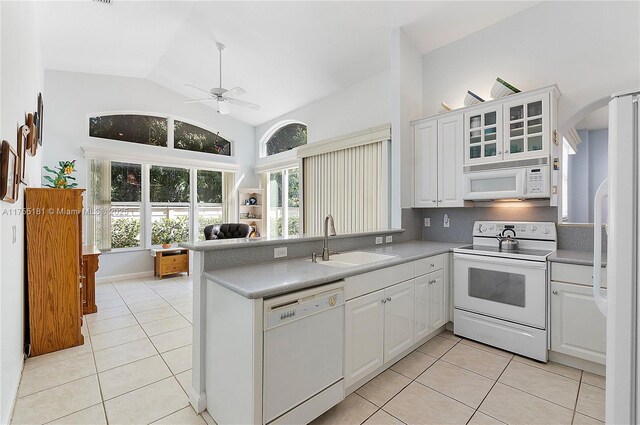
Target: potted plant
[
  {"x": 167, "y": 240},
  {"x": 61, "y": 175}
]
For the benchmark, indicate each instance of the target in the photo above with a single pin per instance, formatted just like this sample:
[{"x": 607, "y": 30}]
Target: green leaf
[
  {"x": 49, "y": 179},
  {"x": 49, "y": 169},
  {"x": 71, "y": 178}
]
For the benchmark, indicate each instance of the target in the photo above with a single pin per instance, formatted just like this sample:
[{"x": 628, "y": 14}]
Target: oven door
[{"x": 509, "y": 289}]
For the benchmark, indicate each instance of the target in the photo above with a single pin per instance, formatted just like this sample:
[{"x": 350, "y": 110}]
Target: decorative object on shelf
[
  {"x": 166, "y": 245},
  {"x": 32, "y": 143},
  {"x": 254, "y": 232},
  {"x": 62, "y": 175},
  {"x": 253, "y": 201},
  {"x": 445, "y": 107},
  {"x": 23, "y": 132},
  {"x": 9, "y": 177},
  {"x": 501, "y": 89},
  {"x": 472, "y": 99},
  {"x": 39, "y": 118}
]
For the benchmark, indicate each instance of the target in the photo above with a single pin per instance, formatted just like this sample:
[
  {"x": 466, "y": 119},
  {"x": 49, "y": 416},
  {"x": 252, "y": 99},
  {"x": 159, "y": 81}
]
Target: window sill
[{"x": 124, "y": 250}]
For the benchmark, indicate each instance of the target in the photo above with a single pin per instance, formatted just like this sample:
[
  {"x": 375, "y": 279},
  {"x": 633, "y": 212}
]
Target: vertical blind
[{"x": 351, "y": 184}]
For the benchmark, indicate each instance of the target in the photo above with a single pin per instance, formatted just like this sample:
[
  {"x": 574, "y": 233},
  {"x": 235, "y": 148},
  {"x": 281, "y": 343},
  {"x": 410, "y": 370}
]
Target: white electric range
[{"x": 500, "y": 296}]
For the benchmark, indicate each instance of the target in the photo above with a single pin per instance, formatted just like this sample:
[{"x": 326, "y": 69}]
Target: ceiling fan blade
[
  {"x": 234, "y": 92},
  {"x": 199, "y": 100},
  {"x": 223, "y": 107},
  {"x": 242, "y": 103},
  {"x": 198, "y": 88}
]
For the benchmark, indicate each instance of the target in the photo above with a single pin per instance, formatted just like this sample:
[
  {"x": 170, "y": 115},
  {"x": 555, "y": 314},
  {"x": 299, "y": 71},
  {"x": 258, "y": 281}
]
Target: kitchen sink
[{"x": 354, "y": 258}]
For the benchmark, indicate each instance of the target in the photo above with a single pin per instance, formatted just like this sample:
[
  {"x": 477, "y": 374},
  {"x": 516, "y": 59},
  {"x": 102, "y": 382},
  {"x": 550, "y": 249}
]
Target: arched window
[
  {"x": 285, "y": 138},
  {"x": 152, "y": 130}
]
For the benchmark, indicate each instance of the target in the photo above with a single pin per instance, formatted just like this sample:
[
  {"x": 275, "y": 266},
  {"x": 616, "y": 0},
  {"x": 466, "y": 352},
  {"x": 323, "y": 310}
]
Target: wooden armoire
[{"x": 54, "y": 256}]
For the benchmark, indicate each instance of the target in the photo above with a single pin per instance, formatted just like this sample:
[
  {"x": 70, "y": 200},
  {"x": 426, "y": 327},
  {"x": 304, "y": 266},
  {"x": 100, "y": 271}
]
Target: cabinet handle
[
  {"x": 506, "y": 151},
  {"x": 384, "y": 301},
  {"x": 431, "y": 282},
  {"x": 439, "y": 200},
  {"x": 554, "y": 292},
  {"x": 388, "y": 298},
  {"x": 499, "y": 152},
  {"x": 433, "y": 200},
  {"x": 433, "y": 265}
]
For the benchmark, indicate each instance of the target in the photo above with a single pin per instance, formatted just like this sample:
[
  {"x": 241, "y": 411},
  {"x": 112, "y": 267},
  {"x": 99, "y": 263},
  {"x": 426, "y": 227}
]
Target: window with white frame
[
  {"x": 283, "y": 199},
  {"x": 154, "y": 131},
  {"x": 151, "y": 204},
  {"x": 285, "y": 138}
]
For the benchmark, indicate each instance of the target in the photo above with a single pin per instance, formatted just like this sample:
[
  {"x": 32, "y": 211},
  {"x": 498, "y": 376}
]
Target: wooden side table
[
  {"x": 90, "y": 265},
  {"x": 170, "y": 261}
]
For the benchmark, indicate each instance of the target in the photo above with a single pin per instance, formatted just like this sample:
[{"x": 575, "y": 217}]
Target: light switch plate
[
  {"x": 378, "y": 240},
  {"x": 280, "y": 252},
  {"x": 14, "y": 231},
  {"x": 389, "y": 239},
  {"x": 427, "y": 222},
  {"x": 445, "y": 221}
]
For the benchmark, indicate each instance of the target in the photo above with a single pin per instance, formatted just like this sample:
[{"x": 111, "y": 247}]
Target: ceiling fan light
[{"x": 223, "y": 107}]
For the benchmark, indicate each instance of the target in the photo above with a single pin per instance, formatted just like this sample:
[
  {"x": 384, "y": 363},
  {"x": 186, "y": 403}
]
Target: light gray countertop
[
  {"x": 583, "y": 258},
  {"x": 282, "y": 276}
]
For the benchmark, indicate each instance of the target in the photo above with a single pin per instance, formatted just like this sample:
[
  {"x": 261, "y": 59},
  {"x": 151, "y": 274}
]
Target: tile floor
[{"x": 136, "y": 363}]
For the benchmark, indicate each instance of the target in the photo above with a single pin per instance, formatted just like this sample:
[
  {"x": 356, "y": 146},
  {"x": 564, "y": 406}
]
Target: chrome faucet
[{"x": 325, "y": 246}]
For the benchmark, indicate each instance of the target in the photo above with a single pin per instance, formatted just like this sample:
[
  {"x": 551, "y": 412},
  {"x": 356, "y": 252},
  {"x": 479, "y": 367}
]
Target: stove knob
[
  {"x": 491, "y": 227},
  {"x": 546, "y": 230},
  {"x": 483, "y": 228},
  {"x": 534, "y": 228}
]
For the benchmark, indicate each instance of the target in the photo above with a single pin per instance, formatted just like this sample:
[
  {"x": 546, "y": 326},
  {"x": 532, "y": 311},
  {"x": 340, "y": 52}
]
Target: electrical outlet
[
  {"x": 14, "y": 231},
  {"x": 389, "y": 239},
  {"x": 280, "y": 252},
  {"x": 378, "y": 240},
  {"x": 427, "y": 222},
  {"x": 446, "y": 221}
]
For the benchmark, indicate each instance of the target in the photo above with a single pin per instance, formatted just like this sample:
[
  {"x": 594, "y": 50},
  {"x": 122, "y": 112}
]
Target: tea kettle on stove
[{"x": 507, "y": 242}]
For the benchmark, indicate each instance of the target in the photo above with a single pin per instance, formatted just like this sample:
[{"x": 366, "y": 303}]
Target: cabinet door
[
  {"x": 437, "y": 300},
  {"x": 577, "y": 326},
  {"x": 426, "y": 164},
  {"x": 450, "y": 159},
  {"x": 526, "y": 128},
  {"x": 398, "y": 319},
  {"x": 364, "y": 333},
  {"x": 483, "y": 135},
  {"x": 422, "y": 315}
]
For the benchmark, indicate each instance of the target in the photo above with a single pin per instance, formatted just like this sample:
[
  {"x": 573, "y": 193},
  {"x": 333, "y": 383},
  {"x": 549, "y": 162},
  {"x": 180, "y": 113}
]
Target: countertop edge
[
  {"x": 249, "y": 243},
  {"x": 340, "y": 274},
  {"x": 580, "y": 258}
]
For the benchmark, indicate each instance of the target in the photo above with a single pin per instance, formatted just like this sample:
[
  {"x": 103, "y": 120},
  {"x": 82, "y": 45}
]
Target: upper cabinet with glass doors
[
  {"x": 526, "y": 124},
  {"x": 511, "y": 128},
  {"x": 483, "y": 135}
]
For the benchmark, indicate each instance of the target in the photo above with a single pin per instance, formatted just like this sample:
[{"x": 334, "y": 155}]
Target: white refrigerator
[{"x": 621, "y": 192}]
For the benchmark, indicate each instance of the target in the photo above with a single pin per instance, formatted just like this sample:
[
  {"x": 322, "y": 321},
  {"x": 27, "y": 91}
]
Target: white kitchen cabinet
[
  {"x": 483, "y": 135},
  {"x": 430, "y": 303},
  {"x": 438, "y": 162},
  {"x": 426, "y": 164},
  {"x": 364, "y": 335},
  {"x": 578, "y": 328},
  {"x": 398, "y": 319},
  {"x": 527, "y": 127}
]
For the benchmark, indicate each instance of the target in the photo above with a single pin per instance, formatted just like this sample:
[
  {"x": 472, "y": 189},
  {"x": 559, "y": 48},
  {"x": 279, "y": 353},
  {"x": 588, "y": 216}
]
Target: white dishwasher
[{"x": 303, "y": 352}]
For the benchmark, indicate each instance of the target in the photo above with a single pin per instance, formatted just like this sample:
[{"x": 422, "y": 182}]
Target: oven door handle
[{"x": 486, "y": 259}]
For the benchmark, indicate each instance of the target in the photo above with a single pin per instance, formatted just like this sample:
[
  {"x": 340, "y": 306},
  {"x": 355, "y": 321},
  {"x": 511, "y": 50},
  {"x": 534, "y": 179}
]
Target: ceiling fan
[{"x": 222, "y": 96}]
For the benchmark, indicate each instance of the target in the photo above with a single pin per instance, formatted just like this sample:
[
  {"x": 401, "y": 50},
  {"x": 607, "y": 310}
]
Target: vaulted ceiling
[{"x": 285, "y": 54}]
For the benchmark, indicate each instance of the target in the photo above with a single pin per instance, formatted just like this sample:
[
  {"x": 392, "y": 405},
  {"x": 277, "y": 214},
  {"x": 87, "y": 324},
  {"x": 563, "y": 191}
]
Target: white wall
[
  {"x": 589, "y": 49},
  {"x": 70, "y": 97},
  {"x": 20, "y": 83},
  {"x": 358, "y": 107},
  {"x": 406, "y": 105}
]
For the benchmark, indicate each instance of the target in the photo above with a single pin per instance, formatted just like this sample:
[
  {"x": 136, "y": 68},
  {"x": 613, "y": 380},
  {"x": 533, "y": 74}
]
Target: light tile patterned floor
[
  {"x": 133, "y": 368},
  {"x": 450, "y": 380},
  {"x": 136, "y": 363}
]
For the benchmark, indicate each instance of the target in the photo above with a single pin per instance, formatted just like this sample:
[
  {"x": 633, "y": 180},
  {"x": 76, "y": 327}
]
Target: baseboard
[
  {"x": 198, "y": 400},
  {"x": 589, "y": 366},
  {"x": 6, "y": 419},
  {"x": 115, "y": 278}
]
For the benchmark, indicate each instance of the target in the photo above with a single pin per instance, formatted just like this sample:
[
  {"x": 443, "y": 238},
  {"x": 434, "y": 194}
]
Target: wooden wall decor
[
  {"x": 32, "y": 143},
  {"x": 40, "y": 118},
  {"x": 54, "y": 257},
  {"x": 9, "y": 178},
  {"x": 23, "y": 132}
]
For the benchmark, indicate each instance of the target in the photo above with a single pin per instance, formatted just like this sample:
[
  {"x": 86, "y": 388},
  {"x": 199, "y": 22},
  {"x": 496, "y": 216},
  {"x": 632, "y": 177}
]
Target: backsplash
[{"x": 461, "y": 220}]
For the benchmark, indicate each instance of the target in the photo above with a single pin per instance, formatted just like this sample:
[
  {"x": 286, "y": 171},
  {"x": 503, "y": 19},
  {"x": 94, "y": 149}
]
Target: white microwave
[{"x": 530, "y": 182}]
